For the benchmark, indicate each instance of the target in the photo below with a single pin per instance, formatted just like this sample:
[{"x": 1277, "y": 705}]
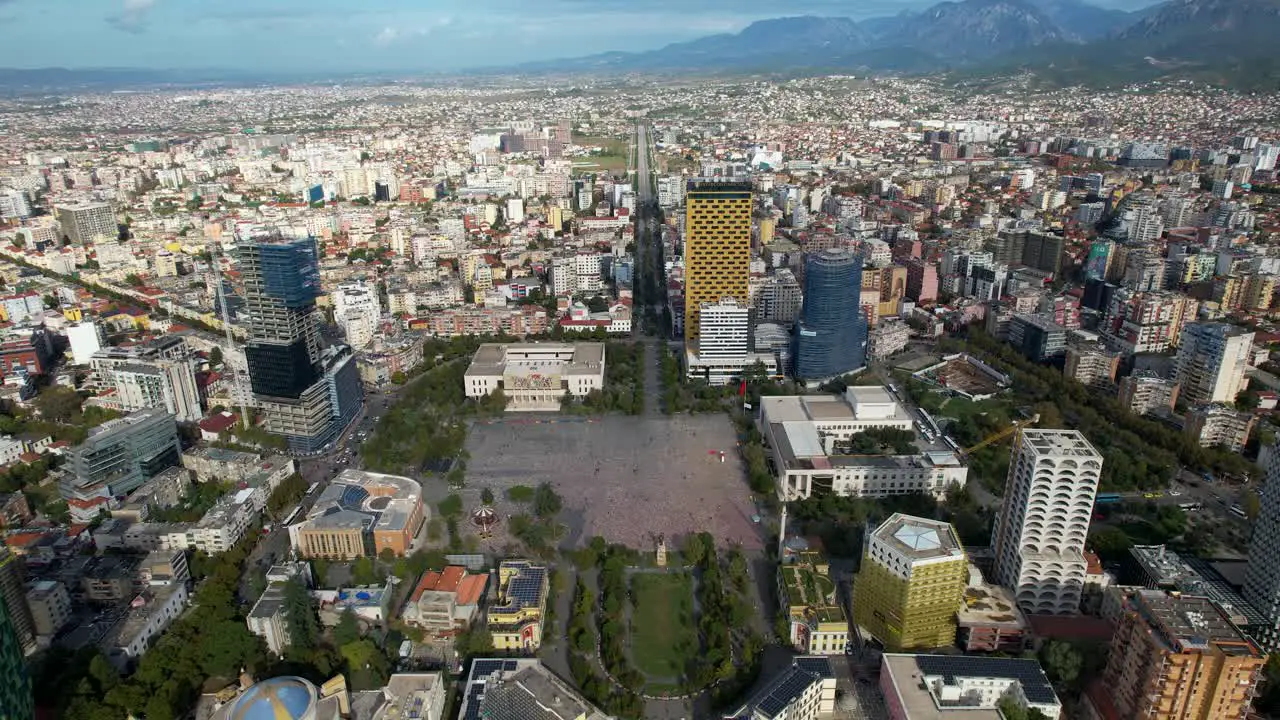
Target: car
[{"x": 1175, "y": 493}]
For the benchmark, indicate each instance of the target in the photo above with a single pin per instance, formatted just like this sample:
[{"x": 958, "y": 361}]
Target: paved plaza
[{"x": 627, "y": 479}]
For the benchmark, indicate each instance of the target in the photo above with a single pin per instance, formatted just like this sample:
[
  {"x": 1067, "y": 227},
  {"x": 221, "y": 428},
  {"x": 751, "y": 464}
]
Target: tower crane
[{"x": 1001, "y": 434}]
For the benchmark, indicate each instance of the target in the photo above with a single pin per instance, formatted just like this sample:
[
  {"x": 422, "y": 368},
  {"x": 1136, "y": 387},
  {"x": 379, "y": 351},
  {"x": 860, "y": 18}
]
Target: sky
[{"x": 420, "y": 36}]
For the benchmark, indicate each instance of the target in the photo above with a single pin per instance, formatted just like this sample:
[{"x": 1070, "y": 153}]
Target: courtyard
[{"x": 627, "y": 479}]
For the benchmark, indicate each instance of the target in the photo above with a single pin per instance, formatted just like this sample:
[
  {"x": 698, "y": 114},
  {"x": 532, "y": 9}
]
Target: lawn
[{"x": 662, "y": 625}]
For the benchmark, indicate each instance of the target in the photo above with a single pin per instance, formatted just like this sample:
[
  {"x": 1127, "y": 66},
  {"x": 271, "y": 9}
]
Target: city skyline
[{"x": 290, "y": 36}]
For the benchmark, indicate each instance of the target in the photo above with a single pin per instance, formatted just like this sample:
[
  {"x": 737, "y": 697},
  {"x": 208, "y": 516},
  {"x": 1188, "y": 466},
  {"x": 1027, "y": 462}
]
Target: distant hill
[{"x": 1065, "y": 41}]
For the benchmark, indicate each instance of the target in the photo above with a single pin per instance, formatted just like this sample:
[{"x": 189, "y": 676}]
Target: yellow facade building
[
  {"x": 911, "y": 583},
  {"x": 717, "y": 247},
  {"x": 515, "y": 617}
]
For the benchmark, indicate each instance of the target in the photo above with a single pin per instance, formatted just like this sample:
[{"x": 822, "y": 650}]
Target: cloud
[
  {"x": 389, "y": 35},
  {"x": 132, "y": 16}
]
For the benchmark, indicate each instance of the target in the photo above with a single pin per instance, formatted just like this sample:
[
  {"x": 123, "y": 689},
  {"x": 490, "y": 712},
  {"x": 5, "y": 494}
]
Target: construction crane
[{"x": 1001, "y": 434}]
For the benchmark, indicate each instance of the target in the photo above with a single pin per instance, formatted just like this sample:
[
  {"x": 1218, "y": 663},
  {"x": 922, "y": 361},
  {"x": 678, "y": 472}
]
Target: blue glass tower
[{"x": 831, "y": 335}]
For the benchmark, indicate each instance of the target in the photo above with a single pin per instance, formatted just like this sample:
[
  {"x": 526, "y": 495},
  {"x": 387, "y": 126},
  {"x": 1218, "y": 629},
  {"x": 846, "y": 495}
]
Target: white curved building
[{"x": 1039, "y": 535}]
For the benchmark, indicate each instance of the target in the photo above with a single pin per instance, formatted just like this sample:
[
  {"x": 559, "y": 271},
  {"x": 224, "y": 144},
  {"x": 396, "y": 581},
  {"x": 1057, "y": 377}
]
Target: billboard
[{"x": 315, "y": 193}]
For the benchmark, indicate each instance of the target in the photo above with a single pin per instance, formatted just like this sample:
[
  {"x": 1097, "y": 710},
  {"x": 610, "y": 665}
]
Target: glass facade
[
  {"x": 280, "y": 370},
  {"x": 831, "y": 334},
  {"x": 290, "y": 272},
  {"x": 16, "y": 702},
  {"x": 123, "y": 454}
]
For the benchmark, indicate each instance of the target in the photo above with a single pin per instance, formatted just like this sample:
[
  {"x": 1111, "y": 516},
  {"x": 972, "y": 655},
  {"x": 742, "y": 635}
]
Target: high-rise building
[
  {"x": 1039, "y": 533},
  {"x": 911, "y": 582},
  {"x": 357, "y": 310},
  {"x": 83, "y": 222},
  {"x": 717, "y": 247},
  {"x": 831, "y": 335},
  {"x": 117, "y": 458},
  {"x": 1262, "y": 574},
  {"x": 160, "y": 373},
  {"x": 1211, "y": 362},
  {"x": 16, "y": 701},
  {"x": 1177, "y": 657},
  {"x": 308, "y": 393},
  {"x": 13, "y": 599}
]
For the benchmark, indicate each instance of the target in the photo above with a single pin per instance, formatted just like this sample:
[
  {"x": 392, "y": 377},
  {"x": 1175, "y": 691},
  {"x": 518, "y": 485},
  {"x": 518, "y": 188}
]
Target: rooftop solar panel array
[
  {"x": 526, "y": 588},
  {"x": 1028, "y": 673}
]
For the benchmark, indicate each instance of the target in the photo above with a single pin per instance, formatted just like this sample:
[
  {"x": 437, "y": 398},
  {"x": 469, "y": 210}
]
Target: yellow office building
[
  {"x": 515, "y": 618},
  {"x": 717, "y": 247},
  {"x": 911, "y": 583}
]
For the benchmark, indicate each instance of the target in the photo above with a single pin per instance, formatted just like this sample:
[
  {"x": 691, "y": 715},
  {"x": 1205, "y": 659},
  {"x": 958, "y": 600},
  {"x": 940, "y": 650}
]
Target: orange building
[
  {"x": 361, "y": 514},
  {"x": 1176, "y": 658}
]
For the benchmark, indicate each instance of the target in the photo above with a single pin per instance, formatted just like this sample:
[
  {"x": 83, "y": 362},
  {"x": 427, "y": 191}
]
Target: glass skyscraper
[
  {"x": 16, "y": 702},
  {"x": 308, "y": 392},
  {"x": 831, "y": 334}
]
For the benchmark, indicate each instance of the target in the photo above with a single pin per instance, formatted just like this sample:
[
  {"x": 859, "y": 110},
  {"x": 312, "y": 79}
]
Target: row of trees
[{"x": 623, "y": 383}]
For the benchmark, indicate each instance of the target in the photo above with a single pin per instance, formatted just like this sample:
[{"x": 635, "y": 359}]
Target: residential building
[
  {"x": 1145, "y": 322},
  {"x": 13, "y": 596},
  {"x": 267, "y": 619},
  {"x": 804, "y": 691},
  {"x": 717, "y": 253},
  {"x": 910, "y": 584},
  {"x": 887, "y": 339},
  {"x": 778, "y": 298},
  {"x": 417, "y": 696},
  {"x": 1091, "y": 365},
  {"x": 361, "y": 514},
  {"x": 1212, "y": 361},
  {"x": 971, "y": 687},
  {"x": 1148, "y": 394},
  {"x": 1039, "y": 533},
  {"x": 515, "y": 616},
  {"x": 500, "y": 687},
  {"x": 357, "y": 310},
  {"x": 808, "y": 596},
  {"x": 50, "y": 607},
  {"x": 831, "y": 333},
  {"x": 536, "y": 377},
  {"x": 116, "y": 458},
  {"x": 445, "y": 602},
  {"x": 151, "y": 612},
  {"x": 922, "y": 281},
  {"x": 1218, "y": 425},
  {"x": 83, "y": 223},
  {"x": 307, "y": 393},
  {"x": 1177, "y": 656},
  {"x": 164, "y": 383}
]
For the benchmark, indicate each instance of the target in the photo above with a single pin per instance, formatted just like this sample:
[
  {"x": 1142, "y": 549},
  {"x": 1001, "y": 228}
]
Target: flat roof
[
  {"x": 1190, "y": 624},
  {"x": 910, "y": 674},
  {"x": 919, "y": 538}
]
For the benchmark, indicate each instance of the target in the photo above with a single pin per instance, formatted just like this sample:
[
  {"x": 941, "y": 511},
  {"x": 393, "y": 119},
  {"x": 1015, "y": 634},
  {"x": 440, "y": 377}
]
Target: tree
[
  {"x": 300, "y": 616},
  {"x": 215, "y": 356},
  {"x": 1110, "y": 542},
  {"x": 347, "y": 630},
  {"x": 1251, "y": 504},
  {"x": 486, "y": 496},
  {"x": 1061, "y": 661},
  {"x": 546, "y": 503},
  {"x": 451, "y": 506},
  {"x": 59, "y": 404},
  {"x": 363, "y": 572},
  {"x": 399, "y": 378},
  {"x": 134, "y": 280}
]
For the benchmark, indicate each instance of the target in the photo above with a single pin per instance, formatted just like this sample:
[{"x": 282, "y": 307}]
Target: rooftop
[
  {"x": 772, "y": 700},
  {"x": 1190, "y": 624},
  {"x": 1070, "y": 443},
  {"x": 925, "y": 684},
  {"x": 919, "y": 538},
  {"x": 521, "y": 690}
]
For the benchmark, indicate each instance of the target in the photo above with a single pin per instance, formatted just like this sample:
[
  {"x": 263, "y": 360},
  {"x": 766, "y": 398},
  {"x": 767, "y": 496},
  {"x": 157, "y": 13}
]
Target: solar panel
[
  {"x": 481, "y": 669},
  {"x": 1028, "y": 673},
  {"x": 784, "y": 690},
  {"x": 819, "y": 666},
  {"x": 510, "y": 665}
]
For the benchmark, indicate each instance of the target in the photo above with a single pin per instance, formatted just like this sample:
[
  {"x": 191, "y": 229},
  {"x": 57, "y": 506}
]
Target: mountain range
[{"x": 1065, "y": 41}]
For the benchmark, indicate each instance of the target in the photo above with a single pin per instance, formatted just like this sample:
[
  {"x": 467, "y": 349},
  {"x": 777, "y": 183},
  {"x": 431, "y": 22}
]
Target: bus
[
  {"x": 314, "y": 487},
  {"x": 1108, "y": 498},
  {"x": 292, "y": 516},
  {"x": 1238, "y": 511},
  {"x": 1189, "y": 506}
]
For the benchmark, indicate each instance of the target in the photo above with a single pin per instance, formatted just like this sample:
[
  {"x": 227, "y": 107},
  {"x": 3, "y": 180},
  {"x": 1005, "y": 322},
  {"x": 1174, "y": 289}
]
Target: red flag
[{"x": 742, "y": 389}]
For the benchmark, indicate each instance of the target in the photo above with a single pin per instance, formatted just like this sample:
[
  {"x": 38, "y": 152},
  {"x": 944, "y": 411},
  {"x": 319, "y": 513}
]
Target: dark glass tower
[
  {"x": 831, "y": 335},
  {"x": 16, "y": 702},
  {"x": 281, "y": 284},
  {"x": 308, "y": 393}
]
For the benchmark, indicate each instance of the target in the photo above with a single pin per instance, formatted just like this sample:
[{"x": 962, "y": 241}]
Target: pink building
[{"x": 922, "y": 281}]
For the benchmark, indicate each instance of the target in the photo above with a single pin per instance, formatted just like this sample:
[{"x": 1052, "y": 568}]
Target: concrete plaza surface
[{"x": 627, "y": 479}]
